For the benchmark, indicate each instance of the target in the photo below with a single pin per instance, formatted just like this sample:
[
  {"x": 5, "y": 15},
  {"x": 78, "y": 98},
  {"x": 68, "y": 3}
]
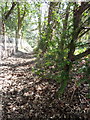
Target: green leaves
[
  {"x": 83, "y": 72},
  {"x": 60, "y": 43}
]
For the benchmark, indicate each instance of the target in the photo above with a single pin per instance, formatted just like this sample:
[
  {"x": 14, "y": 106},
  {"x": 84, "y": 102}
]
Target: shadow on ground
[{"x": 27, "y": 97}]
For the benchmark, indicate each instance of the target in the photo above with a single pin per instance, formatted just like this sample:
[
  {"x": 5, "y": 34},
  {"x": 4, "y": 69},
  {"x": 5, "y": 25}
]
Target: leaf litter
[{"x": 27, "y": 97}]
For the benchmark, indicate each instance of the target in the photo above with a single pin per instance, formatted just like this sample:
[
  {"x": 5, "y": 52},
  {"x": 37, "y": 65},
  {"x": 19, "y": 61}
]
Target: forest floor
[{"x": 27, "y": 97}]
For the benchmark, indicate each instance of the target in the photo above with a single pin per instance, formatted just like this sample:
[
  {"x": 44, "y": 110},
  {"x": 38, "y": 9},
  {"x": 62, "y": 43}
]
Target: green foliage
[
  {"x": 52, "y": 67},
  {"x": 86, "y": 76},
  {"x": 83, "y": 71},
  {"x": 56, "y": 45},
  {"x": 57, "y": 34}
]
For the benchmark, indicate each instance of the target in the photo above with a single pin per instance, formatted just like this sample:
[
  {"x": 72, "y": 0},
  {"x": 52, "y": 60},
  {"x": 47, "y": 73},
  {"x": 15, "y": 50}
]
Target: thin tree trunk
[
  {"x": 51, "y": 24},
  {"x": 20, "y": 20},
  {"x": 18, "y": 28}
]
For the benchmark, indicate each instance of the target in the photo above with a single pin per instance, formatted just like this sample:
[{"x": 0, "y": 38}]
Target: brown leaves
[{"x": 25, "y": 96}]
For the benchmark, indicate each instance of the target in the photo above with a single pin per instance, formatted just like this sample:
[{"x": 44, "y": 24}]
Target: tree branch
[
  {"x": 84, "y": 33},
  {"x": 10, "y": 11},
  {"x": 84, "y": 6},
  {"x": 23, "y": 15},
  {"x": 76, "y": 57}
]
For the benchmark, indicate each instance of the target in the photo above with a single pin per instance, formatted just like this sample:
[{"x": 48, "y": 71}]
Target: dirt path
[
  {"x": 15, "y": 75},
  {"x": 24, "y": 96}
]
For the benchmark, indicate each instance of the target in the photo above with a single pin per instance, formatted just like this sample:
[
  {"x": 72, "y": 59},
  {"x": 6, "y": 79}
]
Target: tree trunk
[
  {"x": 51, "y": 25},
  {"x": 20, "y": 20}
]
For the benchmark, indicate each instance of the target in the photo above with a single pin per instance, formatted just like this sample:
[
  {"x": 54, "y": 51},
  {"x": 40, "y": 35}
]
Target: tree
[
  {"x": 19, "y": 23},
  {"x": 5, "y": 15},
  {"x": 46, "y": 37},
  {"x": 71, "y": 24}
]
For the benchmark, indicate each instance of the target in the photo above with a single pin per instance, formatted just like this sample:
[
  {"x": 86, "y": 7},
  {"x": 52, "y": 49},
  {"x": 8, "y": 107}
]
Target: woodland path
[
  {"x": 24, "y": 96},
  {"x": 13, "y": 73}
]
